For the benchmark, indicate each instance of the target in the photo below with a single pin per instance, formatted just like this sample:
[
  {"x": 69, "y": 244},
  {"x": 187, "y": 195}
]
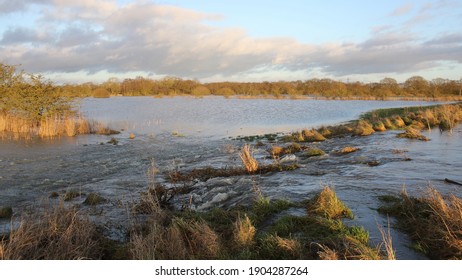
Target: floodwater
[{"x": 185, "y": 133}]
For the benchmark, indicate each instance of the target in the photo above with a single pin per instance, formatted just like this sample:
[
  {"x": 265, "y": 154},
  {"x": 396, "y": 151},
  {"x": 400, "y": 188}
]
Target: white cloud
[{"x": 94, "y": 36}]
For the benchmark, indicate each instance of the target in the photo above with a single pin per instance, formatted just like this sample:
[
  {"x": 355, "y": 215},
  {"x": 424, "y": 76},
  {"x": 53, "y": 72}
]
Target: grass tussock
[
  {"x": 433, "y": 222},
  {"x": 412, "y": 133},
  {"x": 249, "y": 161},
  {"x": 328, "y": 204},
  {"x": 57, "y": 234},
  {"x": 94, "y": 199},
  {"x": 314, "y": 152},
  {"x": 244, "y": 232},
  {"x": 312, "y": 136},
  {"x": 348, "y": 150},
  {"x": 364, "y": 128},
  {"x": 179, "y": 240},
  {"x": 379, "y": 126}
]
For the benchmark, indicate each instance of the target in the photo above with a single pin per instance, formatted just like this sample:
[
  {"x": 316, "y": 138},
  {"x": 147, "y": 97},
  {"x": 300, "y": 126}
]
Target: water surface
[{"x": 30, "y": 171}]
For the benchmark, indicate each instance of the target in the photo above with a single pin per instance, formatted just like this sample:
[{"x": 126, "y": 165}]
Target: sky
[{"x": 72, "y": 41}]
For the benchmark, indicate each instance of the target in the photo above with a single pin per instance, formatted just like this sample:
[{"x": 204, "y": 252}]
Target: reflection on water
[{"x": 31, "y": 171}]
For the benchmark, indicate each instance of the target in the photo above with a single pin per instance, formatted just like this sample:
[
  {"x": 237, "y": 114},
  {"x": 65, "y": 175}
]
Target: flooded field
[{"x": 183, "y": 133}]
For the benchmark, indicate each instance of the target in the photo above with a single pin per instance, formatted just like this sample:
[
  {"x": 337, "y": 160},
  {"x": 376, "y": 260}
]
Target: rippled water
[
  {"x": 219, "y": 117},
  {"x": 31, "y": 171}
]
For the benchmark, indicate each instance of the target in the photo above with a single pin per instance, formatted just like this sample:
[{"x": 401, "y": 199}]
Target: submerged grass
[
  {"x": 433, "y": 222},
  {"x": 412, "y": 133}
]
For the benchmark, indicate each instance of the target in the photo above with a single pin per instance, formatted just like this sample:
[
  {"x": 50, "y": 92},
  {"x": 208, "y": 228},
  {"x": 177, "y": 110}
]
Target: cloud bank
[{"x": 91, "y": 36}]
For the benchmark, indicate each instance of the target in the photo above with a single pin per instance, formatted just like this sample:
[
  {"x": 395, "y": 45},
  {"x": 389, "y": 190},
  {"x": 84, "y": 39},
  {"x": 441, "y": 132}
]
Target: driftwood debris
[{"x": 452, "y": 182}]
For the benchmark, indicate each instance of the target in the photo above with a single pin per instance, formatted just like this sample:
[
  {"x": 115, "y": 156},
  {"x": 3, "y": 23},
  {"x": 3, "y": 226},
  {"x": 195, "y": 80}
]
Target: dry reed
[
  {"x": 387, "y": 242},
  {"x": 50, "y": 127},
  {"x": 249, "y": 161}
]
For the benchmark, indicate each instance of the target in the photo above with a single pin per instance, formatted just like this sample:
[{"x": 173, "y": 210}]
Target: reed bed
[{"x": 50, "y": 127}]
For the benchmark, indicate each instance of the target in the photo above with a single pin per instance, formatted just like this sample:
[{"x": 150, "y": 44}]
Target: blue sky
[{"x": 87, "y": 40}]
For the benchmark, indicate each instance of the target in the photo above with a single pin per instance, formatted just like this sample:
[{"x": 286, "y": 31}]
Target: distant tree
[
  {"x": 225, "y": 91},
  {"x": 112, "y": 86},
  {"x": 417, "y": 86},
  {"x": 200, "y": 91}
]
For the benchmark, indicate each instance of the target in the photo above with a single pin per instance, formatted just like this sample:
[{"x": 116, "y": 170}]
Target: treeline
[
  {"x": 387, "y": 88},
  {"x": 15, "y": 85}
]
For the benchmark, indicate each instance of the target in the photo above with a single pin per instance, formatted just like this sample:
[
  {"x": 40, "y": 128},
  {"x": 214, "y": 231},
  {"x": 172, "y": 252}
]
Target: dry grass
[
  {"x": 434, "y": 222},
  {"x": 312, "y": 136},
  {"x": 364, "y": 128},
  {"x": 398, "y": 122},
  {"x": 57, "y": 234},
  {"x": 313, "y": 152},
  {"x": 387, "y": 242},
  {"x": 249, "y": 161},
  {"x": 326, "y": 253},
  {"x": 327, "y": 203},
  {"x": 244, "y": 232},
  {"x": 412, "y": 133},
  {"x": 180, "y": 240},
  {"x": 348, "y": 150},
  {"x": 50, "y": 127},
  {"x": 379, "y": 126}
]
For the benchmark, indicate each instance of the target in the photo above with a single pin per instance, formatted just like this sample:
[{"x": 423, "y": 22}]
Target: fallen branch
[{"x": 452, "y": 182}]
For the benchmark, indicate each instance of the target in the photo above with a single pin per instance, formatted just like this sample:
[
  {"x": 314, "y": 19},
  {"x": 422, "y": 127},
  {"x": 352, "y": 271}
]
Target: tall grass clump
[
  {"x": 364, "y": 128},
  {"x": 433, "y": 222},
  {"x": 59, "y": 233},
  {"x": 328, "y": 204},
  {"x": 180, "y": 239},
  {"x": 249, "y": 161},
  {"x": 244, "y": 232}
]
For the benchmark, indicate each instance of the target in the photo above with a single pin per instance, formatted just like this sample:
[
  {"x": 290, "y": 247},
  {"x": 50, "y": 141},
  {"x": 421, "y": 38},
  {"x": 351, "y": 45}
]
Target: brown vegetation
[
  {"x": 327, "y": 203},
  {"x": 433, "y": 222},
  {"x": 249, "y": 161},
  {"x": 412, "y": 133},
  {"x": 57, "y": 234}
]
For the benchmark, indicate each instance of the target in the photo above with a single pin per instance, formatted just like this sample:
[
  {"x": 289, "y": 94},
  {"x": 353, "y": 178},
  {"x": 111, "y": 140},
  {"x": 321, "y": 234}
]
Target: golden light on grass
[
  {"x": 328, "y": 204},
  {"x": 249, "y": 161},
  {"x": 51, "y": 126},
  {"x": 244, "y": 232}
]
